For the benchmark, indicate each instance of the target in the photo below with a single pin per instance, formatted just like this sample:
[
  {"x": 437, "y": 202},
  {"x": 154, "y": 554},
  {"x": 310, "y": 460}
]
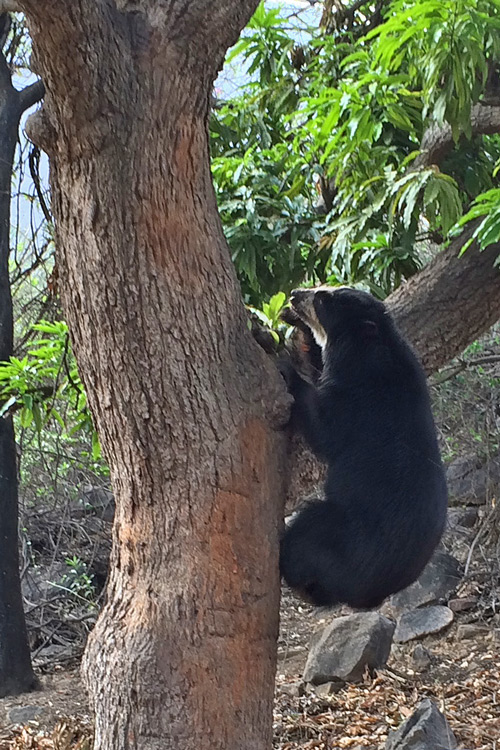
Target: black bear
[{"x": 366, "y": 414}]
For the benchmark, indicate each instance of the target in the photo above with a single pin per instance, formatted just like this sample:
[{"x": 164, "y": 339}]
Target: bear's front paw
[{"x": 287, "y": 370}]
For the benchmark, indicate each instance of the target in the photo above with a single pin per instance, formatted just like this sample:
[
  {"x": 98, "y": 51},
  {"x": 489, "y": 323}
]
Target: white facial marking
[
  {"x": 319, "y": 337},
  {"x": 305, "y": 309}
]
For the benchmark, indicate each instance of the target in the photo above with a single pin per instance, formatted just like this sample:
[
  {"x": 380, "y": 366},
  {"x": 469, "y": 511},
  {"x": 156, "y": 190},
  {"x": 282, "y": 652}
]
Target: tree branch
[
  {"x": 437, "y": 140},
  {"x": 464, "y": 364},
  {"x": 5, "y": 77},
  {"x": 30, "y": 95},
  {"x": 213, "y": 24},
  {"x": 34, "y": 165},
  {"x": 196, "y": 33},
  {"x": 9, "y": 6},
  {"x": 451, "y": 302},
  {"x": 337, "y": 16}
]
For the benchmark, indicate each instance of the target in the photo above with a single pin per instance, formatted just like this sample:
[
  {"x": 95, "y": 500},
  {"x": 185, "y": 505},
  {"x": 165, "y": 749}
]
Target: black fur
[{"x": 369, "y": 418}]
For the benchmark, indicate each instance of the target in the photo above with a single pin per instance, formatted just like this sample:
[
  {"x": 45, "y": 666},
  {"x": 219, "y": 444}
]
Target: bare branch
[
  {"x": 337, "y": 16},
  {"x": 30, "y": 95},
  {"x": 5, "y": 77},
  {"x": 464, "y": 364},
  {"x": 9, "y": 6},
  {"x": 334, "y": 14},
  {"x": 437, "y": 140},
  {"x": 34, "y": 165}
]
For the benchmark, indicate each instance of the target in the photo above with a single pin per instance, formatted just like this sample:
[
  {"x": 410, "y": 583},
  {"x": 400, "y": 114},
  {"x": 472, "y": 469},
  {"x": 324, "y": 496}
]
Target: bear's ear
[{"x": 369, "y": 329}]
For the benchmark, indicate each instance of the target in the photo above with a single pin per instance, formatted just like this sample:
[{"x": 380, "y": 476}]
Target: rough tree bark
[
  {"x": 438, "y": 139},
  {"x": 451, "y": 302},
  {"x": 187, "y": 406},
  {"x": 16, "y": 673}
]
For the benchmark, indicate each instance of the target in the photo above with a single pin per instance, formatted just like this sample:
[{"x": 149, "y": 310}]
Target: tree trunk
[
  {"x": 16, "y": 672},
  {"x": 188, "y": 408}
]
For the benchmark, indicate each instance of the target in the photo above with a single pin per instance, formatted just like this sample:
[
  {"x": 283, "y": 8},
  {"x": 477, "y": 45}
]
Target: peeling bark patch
[
  {"x": 226, "y": 567},
  {"x": 255, "y": 447},
  {"x": 236, "y": 517},
  {"x": 187, "y": 155}
]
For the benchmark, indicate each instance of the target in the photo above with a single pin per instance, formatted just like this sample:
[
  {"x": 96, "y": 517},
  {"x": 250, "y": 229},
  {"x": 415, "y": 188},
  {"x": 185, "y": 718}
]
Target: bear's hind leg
[{"x": 312, "y": 559}]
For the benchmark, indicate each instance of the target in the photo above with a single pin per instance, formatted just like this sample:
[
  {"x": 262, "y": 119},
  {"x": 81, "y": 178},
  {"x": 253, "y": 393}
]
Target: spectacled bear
[{"x": 367, "y": 414}]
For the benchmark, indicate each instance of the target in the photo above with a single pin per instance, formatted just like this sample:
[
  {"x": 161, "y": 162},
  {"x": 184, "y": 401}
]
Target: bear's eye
[{"x": 320, "y": 297}]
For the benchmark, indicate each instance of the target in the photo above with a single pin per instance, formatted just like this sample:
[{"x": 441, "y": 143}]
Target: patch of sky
[
  {"x": 301, "y": 17},
  {"x": 27, "y": 219}
]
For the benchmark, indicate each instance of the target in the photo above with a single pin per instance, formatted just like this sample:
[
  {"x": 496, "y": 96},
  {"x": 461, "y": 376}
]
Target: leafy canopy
[
  {"x": 317, "y": 159},
  {"x": 348, "y": 155},
  {"x": 44, "y": 386}
]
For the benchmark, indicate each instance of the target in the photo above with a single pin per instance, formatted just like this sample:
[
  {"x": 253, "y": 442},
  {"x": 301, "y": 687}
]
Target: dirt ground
[
  {"x": 64, "y": 722},
  {"x": 462, "y": 676}
]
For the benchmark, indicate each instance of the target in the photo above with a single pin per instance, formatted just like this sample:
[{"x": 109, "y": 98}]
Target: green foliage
[
  {"x": 487, "y": 231},
  {"x": 267, "y": 49},
  {"x": 260, "y": 175},
  {"x": 78, "y": 582},
  {"x": 271, "y": 311},
  {"x": 272, "y": 230},
  {"x": 269, "y": 315},
  {"x": 446, "y": 48},
  {"x": 344, "y": 115},
  {"x": 34, "y": 386}
]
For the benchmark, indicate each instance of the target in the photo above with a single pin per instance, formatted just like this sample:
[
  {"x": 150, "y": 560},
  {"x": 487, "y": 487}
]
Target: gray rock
[
  {"x": 439, "y": 579},
  {"x": 425, "y": 729},
  {"x": 98, "y": 500},
  {"x": 463, "y": 604},
  {"x": 471, "y": 631},
  {"x": 328, "y": 688},
  {"x": 293, "y": 689},
  {"x": 461, "y": 467},
  {"x": 462, "y": 518},
  {"x": 344, "y": 649},
  {"x": 472, "y": 480},
  {"x": 421, "y": 622},
  {"x": 421, "y": 657},
  {"x": 24, "y": 714}
]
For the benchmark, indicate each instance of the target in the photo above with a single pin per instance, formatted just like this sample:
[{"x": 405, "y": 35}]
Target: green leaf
[
  {"x": 37, "y": 417},
  {"x": 276, "y": 305},
  {"x": 26, "y": 417},
  {"x": 28, "y": 401},
  {"x": 96, "y": 446}
]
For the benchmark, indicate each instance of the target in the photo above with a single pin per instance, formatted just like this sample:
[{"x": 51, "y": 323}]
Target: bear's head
[{"x": 335, "y": 312}]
